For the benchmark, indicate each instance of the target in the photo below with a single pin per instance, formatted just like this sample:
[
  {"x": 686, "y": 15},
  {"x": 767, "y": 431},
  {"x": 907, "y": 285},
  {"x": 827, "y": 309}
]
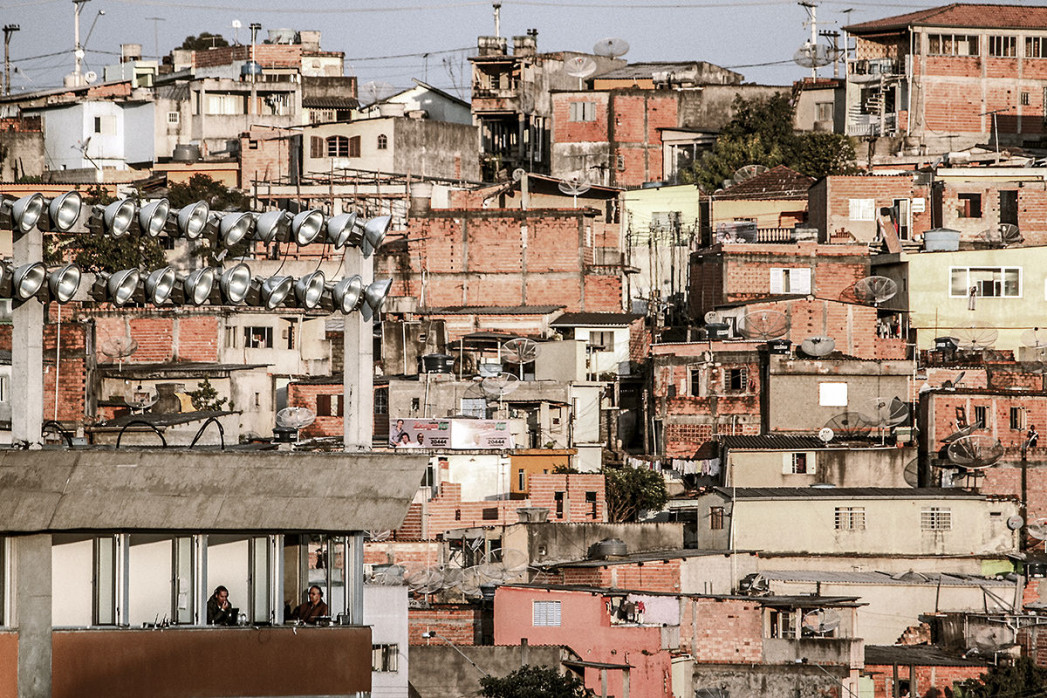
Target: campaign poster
[
  {"x": 450, "y": 434},
  {"x": 481, "y": 433},
  {"x": 420, "y": 433}
]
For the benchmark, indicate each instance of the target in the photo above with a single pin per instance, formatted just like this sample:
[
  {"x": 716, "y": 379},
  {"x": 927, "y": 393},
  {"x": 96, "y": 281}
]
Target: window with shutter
[
  {"x": 316, "y": 147},
  {"x": 323, "y": 405},
  {"x": 354, "y": 147}
]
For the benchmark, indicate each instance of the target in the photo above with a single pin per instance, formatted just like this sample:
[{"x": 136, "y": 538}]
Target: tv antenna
[
  {"x": 1037, "y": 530},
  {"x": 499, "y": 386},
  {"x": 505, "y": 565},
  {"x": 119, "y": 348},
  {"x": 814, "y": 55},
  {"x": 911, "y": 473},
  {"x": 575, "y": 186},
  {"x": 141, "y": 397},
  {"x": 579, "y": 67},
  {"x": 975, "y": 338},
  {"x": 818, "y": 346},
  {"x": 852, "y": 424},
  {"x": 376, "y": 91},
  {"x": 1036, "y": 338},
  {"x": 377, "y": 536},
  {"x": 611, "y": 47},
  {"x": 765, "y": 324},
  {"x": 1002, "y": 235},
  {"x": 826, "y": 435},
  {"x": 387, "y": 575},
  {"x": 425, "y": 580},
  {"x": 746, "y": 172},
  {"x": 875, "y": 289},
  {"x": 952, "y": 384}
]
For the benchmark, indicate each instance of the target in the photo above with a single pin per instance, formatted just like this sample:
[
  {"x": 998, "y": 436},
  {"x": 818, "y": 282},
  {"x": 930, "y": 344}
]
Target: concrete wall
[
  {"x": 437, "y": 670},
  {"x": 385, "y": 610},
  {"x": 138, "y": 126},
  {"x": 842, "y": 467},
  {"x": 22, "y": 154},
  {"x": 830, "y": 208},
  {"x": 744, "y": 680}
]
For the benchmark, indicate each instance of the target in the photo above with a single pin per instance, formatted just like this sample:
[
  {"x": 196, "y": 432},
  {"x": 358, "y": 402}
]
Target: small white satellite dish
[
  {"x": 579, "y": 66},
  {"x": 295, "y": 417},
  {"x": 712, "y": 317},
  {"x": 90, "y": 77},
  {"x": 1037, "y": 529},
  {"x": 1035, "y": 338},
  {"x": 1015, "y": 522},
  {"x": 826, "y": 434},
  {"x": 518, "y": 174},
  {"x": 818, "y": 345},
  {"x": 237, "y": 24},
  {"x": 612, "y": 47},
  {"x": 575, "y": 185}
]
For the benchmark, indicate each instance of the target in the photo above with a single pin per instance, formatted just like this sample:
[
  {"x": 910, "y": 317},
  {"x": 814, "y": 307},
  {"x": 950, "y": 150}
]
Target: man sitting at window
[
  {"x": 219, "y": 610},
  {"x": 313, "y": 609}
]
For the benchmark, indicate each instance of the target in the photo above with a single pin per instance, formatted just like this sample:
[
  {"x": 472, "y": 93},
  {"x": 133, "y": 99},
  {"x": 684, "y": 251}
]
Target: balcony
[
  {"x": 253, "y": 661},
  {"x": 873, "y": 69}
]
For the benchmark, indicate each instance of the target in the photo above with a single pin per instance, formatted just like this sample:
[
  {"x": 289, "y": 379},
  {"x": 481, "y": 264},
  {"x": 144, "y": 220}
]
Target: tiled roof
[
  {"x": 594, "y": 320},
  {"x": 778, "y": 182},
  {"x": 644, "y": 71},
  {"x": 492, "y": 310},
  {"x": 980, "y": 16},
  {"x": 330, "y": 102}
]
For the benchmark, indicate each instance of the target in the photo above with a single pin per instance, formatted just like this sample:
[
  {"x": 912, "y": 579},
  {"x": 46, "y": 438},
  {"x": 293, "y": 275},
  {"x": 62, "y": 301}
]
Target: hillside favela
[{"x": 548, "y": 372}]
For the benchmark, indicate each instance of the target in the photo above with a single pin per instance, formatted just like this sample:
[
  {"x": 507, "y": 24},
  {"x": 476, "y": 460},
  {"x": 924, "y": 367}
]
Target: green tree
[
  {"x": 761, "y": 133},
  {"x": 205, "y": 397},
  {"x": 1023, "y": 678},
  {"x": 203, "y": 42},
  {"x": 534, "y": 682},
  {"x": 632, "y": 490}
]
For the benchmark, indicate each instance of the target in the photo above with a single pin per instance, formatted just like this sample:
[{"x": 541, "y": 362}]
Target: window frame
[
  {"x": 735, "y": 376},
  {"x": 1035, "y": 47},
  {"x": 382, "y": 142},
  {"x": 354, "y": 146},
  {"x": 717, "y": 515},
  {"x": 861, "y": 209},
  {"x": 972, "y": 204},
  {"x": 385, "y": 658},
  {"x": 849, "y": 518},
  {"x": 252, "y": 341},
  {"x": 1000, "y": 286},
  {"x": 337, "y": 146},
  {"x": 546, "y": 614},
  {"x": 793, "y": 281},
  {"x": 601, "y": 340},
  {"x": 936, "y": 519},
  {"x": 582, "y": 112},
  {"x": 949, "y": 44},
  {"x": 1002, "y": 46}
]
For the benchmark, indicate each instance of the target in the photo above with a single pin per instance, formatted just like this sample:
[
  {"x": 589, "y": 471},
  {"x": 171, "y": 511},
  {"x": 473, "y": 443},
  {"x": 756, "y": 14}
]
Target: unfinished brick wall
[
  {"x": 456, "y": 623},
  {"x": 305, "y": 395},
  {"x": 265, "y": 155},
  {"x": 266, "y": 55},
  {"x": 574, "y": 490},
  {"x": 716, "y": 630},
  {"x": 71, "y": 375},
  {"x": 942, "y": 678},
  {"x": 655, "y": 575},
  {"x": 162, "y": 336}
]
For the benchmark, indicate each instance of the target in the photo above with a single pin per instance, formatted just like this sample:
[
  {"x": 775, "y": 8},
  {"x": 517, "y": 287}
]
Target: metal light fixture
[
  {"x": 309, "y": 290},
  {"x": 159, "y": 285},
  {"x": 64, "y": 211},
  {"x": 306, "y": 226},
  {"x": 374, "y": 234},
  {"x": 198, "y": 285},
  {"x": 117, "y": 217},
  {"x": 118, "y": 288},
  {"x": 63, "y": 282},
  {"x": 192, "y": 220},
  {"x": 234, "y": 227},
  {"x": 274, "y": 291},
  {"x": 344, "y": 295},
  {"x": 235, "y": 282},
  {"x": 23, "y": 214},
  {"x": 340, "y": 230},
  {"x": 153, "y": 217},
  {"x": 27, "y": 280},
  {"x": 374, "y": 297},
  {"x": 272, "y": 226}
]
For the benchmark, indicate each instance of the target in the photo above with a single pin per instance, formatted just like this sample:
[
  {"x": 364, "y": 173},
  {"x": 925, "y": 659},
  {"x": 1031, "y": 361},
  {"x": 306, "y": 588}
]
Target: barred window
[
  {"x": 546, "y": 613},
  {"x": 716, "y": 518},
  {"x": 1036, "y": 47},
  {"x": 936, "y": 519},
  {"x": 850, "y": 519},
  {"x": 385, "y": 657}
]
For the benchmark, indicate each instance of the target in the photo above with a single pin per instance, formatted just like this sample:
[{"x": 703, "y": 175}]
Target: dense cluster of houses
[{"x": 840, "y": 381}]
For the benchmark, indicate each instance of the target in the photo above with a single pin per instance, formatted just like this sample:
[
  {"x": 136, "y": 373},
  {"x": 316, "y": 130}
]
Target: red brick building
[
  {"x": 917, "y": 670},
  {"x": 846, "y": 208}
]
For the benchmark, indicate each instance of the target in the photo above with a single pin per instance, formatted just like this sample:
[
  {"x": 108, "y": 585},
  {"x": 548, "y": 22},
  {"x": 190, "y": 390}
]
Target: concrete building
[
  {"x": 385, "y": 610},
  {"x": 774, "y": 200},
  {"x": 422, "y": 100},
  {"x": 847, "y": 208}
]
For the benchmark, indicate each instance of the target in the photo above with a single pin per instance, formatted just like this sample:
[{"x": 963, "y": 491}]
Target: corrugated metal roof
[
  {"x": 594, "y": 319},
  {"x": 981, "y": 16},
  {"x": 882, "y": 578},
  {"x": 848, "y": 493},
  {"x": 330, "y": 102},
  {"x": 492, "y": 310},
  {"x": 772, "y": 442},
  {"x": 915, "y": 655}
]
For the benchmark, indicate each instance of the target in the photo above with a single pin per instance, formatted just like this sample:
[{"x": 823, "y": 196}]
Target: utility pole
[
  {"x": 78, "y": 51},
  {"x": 812, "y": 22},
  {"x": 9, "y": 29},
  {"x": 255, "y": 28}
]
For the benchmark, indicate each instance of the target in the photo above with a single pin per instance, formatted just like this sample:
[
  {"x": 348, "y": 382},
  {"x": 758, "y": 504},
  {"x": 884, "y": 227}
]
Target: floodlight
[
  {"x": 63, "y": 282},
  {"x": 235, "y": 282},
  {"x": 193, "y": 219},
  {"x": 118, "y": 288},
  {"x": 153, "y": 216},
  {"x": 198, "y": 285},
  {"x": 272, "y": 226},
  {"x": 234, "y": 227},
  {"x": 345, "y": 294},
  {"x": 340, "y": 230},
  {"x": 374, "y": 297},
  {"x": 117, "y": 217},
  {"x": 64, "y": 211},
  {"x": 27, "y": 280},
  {"x": 306, "y": 226},
  {"x": 159, "y": 285},
  {"x": 374, "y": 234},
  {"x": 309, "y": 290},
  {"x": 274, "y": 290},
  {"x": 24, "y": 213}
]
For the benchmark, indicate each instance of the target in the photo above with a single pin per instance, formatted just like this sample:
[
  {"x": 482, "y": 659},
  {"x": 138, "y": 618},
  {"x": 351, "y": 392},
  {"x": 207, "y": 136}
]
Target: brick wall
[
  {"x": 305, "y": 395},
  {"x": 265, "y": 155},
  {"x": 163, "y": 336},
  {"x": 456, "y": 623},
  {"x": 728, "y": 631},
  {"x": 266, "y": 55},
  {"x": 71, "y": 375},
  {"x": 941, "y": 678},
  {"x": 574, "y": 489}
]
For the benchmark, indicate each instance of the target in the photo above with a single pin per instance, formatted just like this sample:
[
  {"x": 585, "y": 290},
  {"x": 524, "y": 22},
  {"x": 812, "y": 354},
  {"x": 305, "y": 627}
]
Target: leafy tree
[
  {"x": 631, "y": 490},
  {"x": 203, "y": 42},
  {"x": 761, "y": 133},
  {"x": 1023, "y": 678},
  {"x": 534, "y": 682},
  {"x": 205, "y": 398}
]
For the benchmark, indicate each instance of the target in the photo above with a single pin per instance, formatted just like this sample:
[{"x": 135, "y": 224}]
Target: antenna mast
[
  {"x": 78, "y": 51},
  {"x": 812, "y": 22},
  {"x": 9, "y": 29},
  {"x": 497, "y": 18}
]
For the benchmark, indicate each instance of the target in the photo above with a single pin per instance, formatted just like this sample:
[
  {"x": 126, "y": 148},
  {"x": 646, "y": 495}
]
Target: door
[{"x": 1009, "y": 207}]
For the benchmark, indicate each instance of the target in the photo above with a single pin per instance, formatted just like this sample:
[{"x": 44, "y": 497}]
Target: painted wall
[
  {"x": 842, "y": 467},
  {"x": 385, "y": 610}
]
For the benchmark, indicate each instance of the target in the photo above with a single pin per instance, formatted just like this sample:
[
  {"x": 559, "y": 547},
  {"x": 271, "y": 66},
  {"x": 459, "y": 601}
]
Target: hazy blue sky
[{"x": 756, "y": 38}]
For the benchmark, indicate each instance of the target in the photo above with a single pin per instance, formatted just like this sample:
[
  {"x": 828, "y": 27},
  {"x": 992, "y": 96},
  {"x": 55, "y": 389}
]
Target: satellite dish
[
  {"x": 520, "y": 350},
  {"x": 237, "y": 24},
  {"x": 377, "y": 536},
  {"x": 851, "y": 424},
  {"x": 611, "y": 47},
  {"x": 765, "y": 324},
  {"x": 821, "y": 621},
  {"x": 388, "y": 575},
  {"x": 951, "y": 384},
  {"x": 1015, "y": 522},
  {"x": 712, "y": 317},
  {"x": 575, "y": 186},
  {"x": 814, "y": 55},
  {"x": 295, "y": 417},
  {"x": 1037, "y": 529},
  {"x": 747, "y": 172},
  {"x": 141, "y": 397},
  {"x": 989, "y": 640},
  {"x": 875, "y": 289},
  {"x": 818, "y": 346},
  {"x": 975, "y": 451},
  {"x": 966, "y": 431},
  {"x": 825, "y": 435},
  {"x": 118, "y": 347},
  {"x": 518, "y": 174},
  {"x": 1002, "y": 235},
  {"x": 501, "y": 385},
  {"x": 579, "y": 67},
  {"x": 425, "y": 580},
  {"x": 887, "y": 412},
  {"x": 911, "y": 473},
  {"x": 376, "y": 91},
  {"x": 470, "y": 581},
  {"x": 1035, "y": 338},
  {"x": 90, "y": 77},
  {"x": 506, "y": 565},
  {"x": 975, "y": 338}
]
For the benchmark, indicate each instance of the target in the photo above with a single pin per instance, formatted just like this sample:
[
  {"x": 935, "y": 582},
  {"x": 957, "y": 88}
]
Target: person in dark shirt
[
  {"x": 1032, "y": 436},
  {"x": 219, "y": 610},
  {"x": 313, "y": 609}
]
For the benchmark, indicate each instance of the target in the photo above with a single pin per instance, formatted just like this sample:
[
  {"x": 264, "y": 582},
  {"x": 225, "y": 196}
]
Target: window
[
  {"x": 1036, "y": 47},
  {"x": 381, "y": 401},
  {"x": 987, "y": 282},
  {"x": 590, "y": 504},
  {"x": 227, "y": 105},
  {"x": 383, "y": 141},
  {"x": 545, "y": 613},
  {"x": 558, "y": 497},
  {"x": 849, "y": 519},
  {"x": 823, "y": 111},
  {"x": 337, "y": 147},
  {"x": 354, "y": 147},
  {"x": 783, "y": 623},
  {"x": 832, "y": 394},
  {"x": 1003, "y": 46},
  {"x": 1024, "y": 98},
  {"x": 583, "y": 111},
  {"x": 620, "y": 161},
  {"x": 970, "y": 205},
  {"x": 735, "y": 379},
  {"x": 716, "y": 518},
  {"x": 952, "y": 45},
  {"x": 258, "y": 337},
  {"x": 329, "y": 406},
  {"x": 696, "y": 381},
  {"x": 173, "y": 118},
  {"x": 980, "y": 415},
  {"x": 521, "y": 480},
  {"x": 5, "y": 388},
  {"x": 385, "y": 657},
  {"x": 316, "y": 147},
  {"x": 489, "y": 514},
  {"x": 796, "y": 281},
  {"x": 936, "y": 519},
  {"x": 601, "y": 341},
  {"x": 862, "y": 209},
  {"x": 474, "y": 407},
  {"x": 105, "y": 125},
  {"x": 231, "y": 334},
  {"x": 798, "y": 464},
  {"x": 1017, "y": 415}
]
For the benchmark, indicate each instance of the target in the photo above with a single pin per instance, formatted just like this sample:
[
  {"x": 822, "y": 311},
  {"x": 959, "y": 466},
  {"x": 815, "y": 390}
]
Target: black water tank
[
  {"x": 717, "y": 330},
  {"x": 779, "y": 346},
  {"x": 437, "y": 363}
]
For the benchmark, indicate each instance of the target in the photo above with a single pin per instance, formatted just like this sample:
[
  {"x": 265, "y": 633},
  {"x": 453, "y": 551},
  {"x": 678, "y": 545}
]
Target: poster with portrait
[{"x": 450, "y": 433}]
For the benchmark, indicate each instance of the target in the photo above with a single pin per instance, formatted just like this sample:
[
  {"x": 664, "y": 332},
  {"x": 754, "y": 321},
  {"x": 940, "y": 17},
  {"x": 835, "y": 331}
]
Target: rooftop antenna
[
  {"x": 885, "y": 413},
  {"x": 1002, "y": 235},
  {"x": 747, "y": 172},
  {"x": 826, "y": 435},
  {"x": 579, "y": 67},
  {"x": 120, "y": 348},
  {"x": 499, "y": 386},
  {"x": 812, "y": 22},
  {"x": 237, "y": 24},
  {"x": 765, "y": 325},
  {"x": 818, "y": 346},
  {"x": 497, "y": 18},
  {"x": 78, "y": 49},
  {"x": 1036, "y": 338},
  {"x": 387, "y": 575},
  {"x": 821, "y": 621},
  {"x": 852, "y": 424},
  {"x": 813, "y": 56},
  {"x": 9, "y": 29},
  {"x": 975, "y": 452},
  {"x": 875, "y": 289},
  {"x": 574, "y": 186},
  {"x": 141, "y": 397},
  {"x": 911, "y": 473},
  {"x": 611, "y": 47},
  {"x": 295, "y": 417},
  {"x": 376, "y": 91},
  {"x": 1037, "y": 530}
]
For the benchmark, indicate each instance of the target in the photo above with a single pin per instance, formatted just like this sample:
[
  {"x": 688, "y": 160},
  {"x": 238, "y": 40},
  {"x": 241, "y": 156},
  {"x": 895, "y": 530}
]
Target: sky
[{"x": 388, "y": 41}]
